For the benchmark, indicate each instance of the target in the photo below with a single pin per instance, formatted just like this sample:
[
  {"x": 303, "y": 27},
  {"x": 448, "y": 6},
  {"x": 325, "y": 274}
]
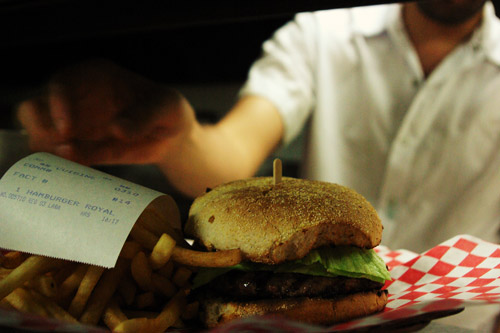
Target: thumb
[
  {"x": 60, "y": 114},
  {"x": 126, "y": 130},
  {"x": 162, "y": 121}
]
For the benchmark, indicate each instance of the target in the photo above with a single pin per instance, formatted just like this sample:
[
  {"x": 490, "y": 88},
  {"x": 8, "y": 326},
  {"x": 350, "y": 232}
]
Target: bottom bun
[{"x": 322, "y": 311}]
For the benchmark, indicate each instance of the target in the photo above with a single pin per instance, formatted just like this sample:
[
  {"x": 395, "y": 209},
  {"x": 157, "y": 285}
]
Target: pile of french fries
[{"x": 146, "y": 291}]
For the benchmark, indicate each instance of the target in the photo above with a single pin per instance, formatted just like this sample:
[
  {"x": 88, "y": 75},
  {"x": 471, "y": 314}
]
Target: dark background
[{"x": 177, "y": 42}]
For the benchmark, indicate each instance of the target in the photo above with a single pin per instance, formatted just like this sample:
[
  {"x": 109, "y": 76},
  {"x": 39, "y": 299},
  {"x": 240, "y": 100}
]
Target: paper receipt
[{"x": 54, "y": 207}]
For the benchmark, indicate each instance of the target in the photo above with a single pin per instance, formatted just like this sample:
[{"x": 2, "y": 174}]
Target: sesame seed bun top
[{"x": 274, "y": 223}]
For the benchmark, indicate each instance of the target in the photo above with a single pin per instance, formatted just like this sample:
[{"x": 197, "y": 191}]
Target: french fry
[
  {"x": 22, "y": 300},
  {"x": 166, "y": 270},
  {"x": 103, "y": 292},
  {"x": 163, "y": 285},
  {"x": 141, "y": 271},
  {"x": 162, "y": 251},
  {"x": 12, "y": 259},
  {"x": 44, "y": 284},
  {"x": 181, "y": 276},
  {"x": 5, "y": 305},
  {"x": 53, "y": 309},
  {"x": 145, "y": 300},
  {"x": 61, "y": 274},
  {"x": 4, "y": 272},
  {"x": 172, "y": 311},
  {"x": 86, "y": 287},
  {"x": 143, "y": 236},
  {"x": 31, "y": 267},
  {"x": 138, "y": 325},
  {"x": 130, "y": 249},
  {"x": 113, "y": 315},
  {"x": 127, "y": 289},
  {"x": 70, "y": 285},
  {"x": 206, "y": 259},
  {"x": 83, "y": 293}
]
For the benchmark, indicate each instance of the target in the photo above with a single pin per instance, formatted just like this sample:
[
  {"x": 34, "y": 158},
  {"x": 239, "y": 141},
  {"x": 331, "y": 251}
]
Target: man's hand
[{"x": 99, "y": 113}]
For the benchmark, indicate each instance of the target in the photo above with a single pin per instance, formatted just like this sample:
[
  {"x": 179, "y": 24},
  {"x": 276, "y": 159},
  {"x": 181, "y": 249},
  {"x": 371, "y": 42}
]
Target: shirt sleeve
[{"x": 284, "y": 73}]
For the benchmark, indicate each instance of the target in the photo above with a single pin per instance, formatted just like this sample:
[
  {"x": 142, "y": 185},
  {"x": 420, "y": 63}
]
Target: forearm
[
  {"x": 232, "y": 149},
  {"x": 202, "y": 161}
]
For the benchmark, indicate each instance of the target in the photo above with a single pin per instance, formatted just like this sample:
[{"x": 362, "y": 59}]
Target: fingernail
[
  {"x": 61, "y": 125},
  {"x": 59, "y": 113},
  {"x": 65, "y": 150}
]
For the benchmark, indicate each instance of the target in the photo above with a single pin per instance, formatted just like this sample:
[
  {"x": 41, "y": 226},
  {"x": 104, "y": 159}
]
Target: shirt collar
[
  {"x": 371, "y": 21},
  {"x": 487, "y": 36},
  {"x": 374, "y": 20}
]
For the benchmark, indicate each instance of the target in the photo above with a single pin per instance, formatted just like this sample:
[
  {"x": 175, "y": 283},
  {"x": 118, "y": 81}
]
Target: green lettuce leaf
[
  {"x": 346, "y": 261},
  {"x": 327, "y": 261}
]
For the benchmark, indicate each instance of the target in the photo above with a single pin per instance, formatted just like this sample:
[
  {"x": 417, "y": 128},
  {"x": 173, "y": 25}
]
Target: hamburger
[{"x": 308, "y": 249}]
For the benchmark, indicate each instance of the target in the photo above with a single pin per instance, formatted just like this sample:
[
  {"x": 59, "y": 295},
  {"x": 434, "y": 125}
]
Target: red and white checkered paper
[{"x": 459, "y": 272}]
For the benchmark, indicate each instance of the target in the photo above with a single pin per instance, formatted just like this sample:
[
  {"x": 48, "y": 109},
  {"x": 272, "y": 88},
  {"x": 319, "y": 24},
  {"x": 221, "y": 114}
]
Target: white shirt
[{"x": 424, "y": 152}]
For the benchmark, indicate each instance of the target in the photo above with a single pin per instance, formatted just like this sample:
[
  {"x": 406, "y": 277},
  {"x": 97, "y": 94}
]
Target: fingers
[
  {"x": 36, "y": 121},
  {"x": 30, "y": 117},
  {"x": 82, "y": 103},
  {"x": 98, "y": 113},
  {"x": 60, "y": 115},
  {"x": 112, "y": 151},
  {"x": 142, "y": 144},
  {"x": 35, "y": 117},
  {"x": 162, "y": 113}
]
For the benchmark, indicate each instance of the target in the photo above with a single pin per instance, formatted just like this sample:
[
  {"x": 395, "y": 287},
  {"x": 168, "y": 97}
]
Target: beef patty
[{"x": 264, "y": 284}]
